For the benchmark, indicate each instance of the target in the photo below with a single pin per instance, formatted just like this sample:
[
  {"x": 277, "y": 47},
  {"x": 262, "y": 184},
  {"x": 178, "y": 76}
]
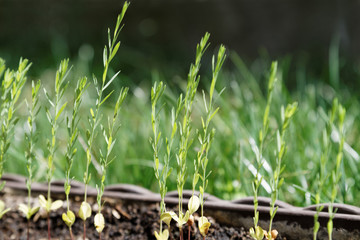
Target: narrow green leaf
[
  {"x": 60, "y": 111},
  {"x": 111, "y": 80}
]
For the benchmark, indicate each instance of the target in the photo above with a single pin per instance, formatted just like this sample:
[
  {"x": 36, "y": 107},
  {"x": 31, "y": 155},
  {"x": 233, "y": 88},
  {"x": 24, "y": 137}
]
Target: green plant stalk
[
  {"x": 30, "y": 154},
  {"x": 156, "y": 93},
  {"x": 60, "y": 87},
  {"x": 185, "y": 127},
  {"x": 72, "y": 127},
  {"x": 321, "y": 178},
  {"x": 286, "y": 116},
  {"x": 207, "y": 137},
  {"x": 185, "y": 139},
  {"x": 336, "y": 174},
  {"x": 59, "y": 91},
  {"x": 262, "y": 136},
  {"x": 11, "y": 88},
  {"x": 110, "y": 140},
  {"x": 108, "y": 54}
]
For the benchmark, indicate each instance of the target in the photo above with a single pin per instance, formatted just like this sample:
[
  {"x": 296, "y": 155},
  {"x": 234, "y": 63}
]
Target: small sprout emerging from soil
[
  {"x": 272, "y": 235},
  {"x": 49, "y": 205},
  {"x": 166, "y": 218},
  {"x": 2, "y": 209},
  {"x": 85, "y": 211},
  {"x": 99, "y": 222},
  {"x": 181, "y": 219},
  {"x": 258, "y": 233},
  {"x": 69, "y": 218},
  {"x": 30, "y": 154},
  {"x": 28, "y": 212},
  {"x": 193, "y": 204},
  {"x": 204, "y": 226},
  {"x": 164, "y": 235}
]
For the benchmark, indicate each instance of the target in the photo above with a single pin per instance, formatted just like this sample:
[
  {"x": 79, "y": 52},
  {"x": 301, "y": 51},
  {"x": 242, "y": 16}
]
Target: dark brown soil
[{"x": 137, "y": 221}]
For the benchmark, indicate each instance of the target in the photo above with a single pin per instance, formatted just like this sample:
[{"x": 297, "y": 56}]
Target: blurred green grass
[{"x": 238, "y": 121}]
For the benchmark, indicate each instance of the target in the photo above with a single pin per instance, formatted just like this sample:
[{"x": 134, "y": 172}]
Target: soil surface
[{"x": 124, "y": 220}]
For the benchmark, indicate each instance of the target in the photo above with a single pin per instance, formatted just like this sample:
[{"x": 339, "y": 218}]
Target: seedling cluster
[
  {"x": 12, "y": 84},
  {"x": 182, "y": 130},
  {"x": 171, "y": 149}
]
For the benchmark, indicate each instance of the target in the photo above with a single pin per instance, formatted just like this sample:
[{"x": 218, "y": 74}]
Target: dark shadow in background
[{"x": 159, "y": 32}]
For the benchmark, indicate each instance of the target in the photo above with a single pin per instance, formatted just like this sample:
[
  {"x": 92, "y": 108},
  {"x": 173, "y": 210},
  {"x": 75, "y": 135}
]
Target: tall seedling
[
  {"x": 53, "y": 114},
  {"x": 30, "y": 153},
  {"x": 322, "y": 175},
  {"x": 105, "y": 160},
  {"x": 185, "y": 128},
  {"x": 277, "y": 181},
  {"x": 205, "y": 136},
  {"x": 11, "y": 87},
  {"x": 162, "y": 174},
  {"x": 336, "y": 172},
  {"x": 108, "y": 54},
  {"x": 73, "y": 132},
  {"x": 257, "y": 232}
]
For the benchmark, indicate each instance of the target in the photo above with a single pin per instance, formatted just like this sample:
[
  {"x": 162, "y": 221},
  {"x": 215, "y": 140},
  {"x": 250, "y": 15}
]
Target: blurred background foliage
[{"x": 315, "y": 42}]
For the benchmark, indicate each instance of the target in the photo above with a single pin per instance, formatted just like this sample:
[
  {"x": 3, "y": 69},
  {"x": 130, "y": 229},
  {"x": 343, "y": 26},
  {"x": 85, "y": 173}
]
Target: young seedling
[
  {"x": 206, "y": 137},
  {"x": 277, "y": 181},
  {"x": 322, "y": 176},
  {"x": 185, "y": 131},
  {"x": 257, "y": 232},
  {"x": 94, "y": 120},
  {"x": 11, "y": 88},
  {"x": 72, "y": 128},
  {"x": 54, "y": 118},
  {"x": 30, "y": 153},
  {"x": 161, "y": 175},
  {"x": 336, "y": 174},
  {"x": 109, "y": 136}
]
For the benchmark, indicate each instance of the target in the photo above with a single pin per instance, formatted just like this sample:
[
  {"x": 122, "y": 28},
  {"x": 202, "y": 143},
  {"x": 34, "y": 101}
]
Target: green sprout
[
  {"x": 11, "y": 88},
  {"x": 30, "y": 154},
  {"x": 322, "y": 176},
  {"x": 72, "y": 127},
  {"x": 109, "y": 135},
  {"x": 184, "y": 127},
  {"x": 185, "y": 130},
  {"x": 335, "y": 173},
  {"x": 162, "y": 175},
  {"x": 206, "y": 137},
  {"x": 94, "y": 120},
  {"x": 257, "y": 232},
  {"x": 277, "y": 181},
  {"x": 54, "y": 118}
]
